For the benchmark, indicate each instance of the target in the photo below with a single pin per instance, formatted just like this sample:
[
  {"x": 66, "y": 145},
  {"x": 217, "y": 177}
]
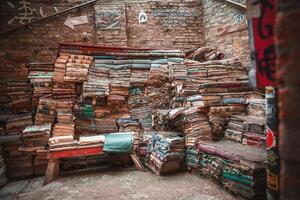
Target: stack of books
[
  {"x": 42, "y": 84},
  {"x": 35, "y": 138},
  {"x": 20, "y": 94},
  {"x": 167, "y": 153},
  {"x": 15, "y": 124},
  {"x": 77, "y": 68},
  {"x": 46, "y": 111}
]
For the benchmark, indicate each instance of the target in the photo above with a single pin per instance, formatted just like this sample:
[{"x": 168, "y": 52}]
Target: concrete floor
[{"x": 115, "y": 185}]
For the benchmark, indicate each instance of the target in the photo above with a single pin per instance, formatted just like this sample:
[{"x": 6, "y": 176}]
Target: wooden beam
[
  {"x": 137, "y": 162},
  {"x": 9, "y": 139},
  {"x": 75, "y": 152},
  {"x": 52, "y": 171},
  {"x": 239, "y": 5}
]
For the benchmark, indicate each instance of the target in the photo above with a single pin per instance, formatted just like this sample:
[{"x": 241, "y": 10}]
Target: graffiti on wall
[
  {"x": 174, "y": 17},
  {"x": 25, "y": 13},
  {"x": 261, "y": 14}
]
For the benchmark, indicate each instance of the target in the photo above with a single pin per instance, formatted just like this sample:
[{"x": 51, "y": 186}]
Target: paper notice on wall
[
  {"x": 71, "y": 22},
  {"x": 109, "y": 19},
  {"x": 142, "y": 17}
]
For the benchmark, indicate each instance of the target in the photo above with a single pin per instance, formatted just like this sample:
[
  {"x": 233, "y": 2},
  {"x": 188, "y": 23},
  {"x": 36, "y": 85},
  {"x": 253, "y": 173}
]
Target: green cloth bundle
[{"x": 118, "y": 142}]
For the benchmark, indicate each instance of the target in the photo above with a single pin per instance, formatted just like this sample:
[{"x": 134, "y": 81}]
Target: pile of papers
[
  {"x": 139, "y": 77},
  {"x": 257, "y": 107},
  {"x": 158, "y": 76},
  {"x": 64, "y": 130},
  {"x": 203, "y": 54}
]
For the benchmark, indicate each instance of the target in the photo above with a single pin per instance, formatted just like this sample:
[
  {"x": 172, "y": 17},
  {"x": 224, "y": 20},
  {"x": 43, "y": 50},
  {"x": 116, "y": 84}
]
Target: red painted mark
[{"x": 270, "y": 139}]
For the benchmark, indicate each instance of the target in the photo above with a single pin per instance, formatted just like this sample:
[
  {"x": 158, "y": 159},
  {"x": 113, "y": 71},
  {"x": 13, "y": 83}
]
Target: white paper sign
[{"x": 142, "y": 17}]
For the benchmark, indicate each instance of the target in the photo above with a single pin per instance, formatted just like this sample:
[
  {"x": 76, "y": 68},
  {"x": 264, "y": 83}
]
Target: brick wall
[
  {"x": 39, "y": 42},
  {"x": 171, "y": 24},
  {"x": 225, "y": 28}
]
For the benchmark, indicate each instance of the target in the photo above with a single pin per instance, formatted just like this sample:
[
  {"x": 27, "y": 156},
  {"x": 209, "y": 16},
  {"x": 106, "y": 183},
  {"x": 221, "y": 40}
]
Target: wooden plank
[
  {"x": 99, "y": 47},
  {"x": 52, "y": 171},
  {"x": 138, "y": 164},
  {"x": 75, "y": 152},
  {"x": 239, "y": 5}
]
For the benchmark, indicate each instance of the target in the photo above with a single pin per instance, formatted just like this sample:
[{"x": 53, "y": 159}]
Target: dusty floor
[{"x": 117, "y": 184}]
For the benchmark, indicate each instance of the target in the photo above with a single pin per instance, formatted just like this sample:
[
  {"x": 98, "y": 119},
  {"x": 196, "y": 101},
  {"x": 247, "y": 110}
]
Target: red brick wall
[
  {"x": 225, "y": 28},
  {"x": 173, "y": 24},
  {"x": 288, "y": 51},
  {"x": 180, "y": 28},
  {"x": 40, "y": 41}
]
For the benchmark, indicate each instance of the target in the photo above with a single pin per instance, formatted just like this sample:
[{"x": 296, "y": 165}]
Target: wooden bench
[{"x": 54, "y": 156}]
